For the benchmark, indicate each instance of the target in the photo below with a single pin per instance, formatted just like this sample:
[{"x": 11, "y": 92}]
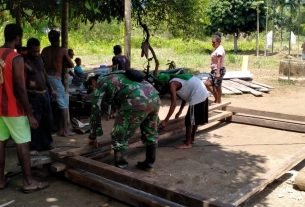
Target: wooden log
[
  {"x": 131, "y": 179},
  {"x": 269, "y": 122},
  {"x": 276, "y": 115},
  {"x": 259, "y": 184},
  {"x": 117, "y": 190}
]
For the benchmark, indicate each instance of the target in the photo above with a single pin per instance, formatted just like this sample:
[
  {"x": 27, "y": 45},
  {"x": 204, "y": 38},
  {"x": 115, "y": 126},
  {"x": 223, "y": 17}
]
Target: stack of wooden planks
[{"x": 238, "y": 86}]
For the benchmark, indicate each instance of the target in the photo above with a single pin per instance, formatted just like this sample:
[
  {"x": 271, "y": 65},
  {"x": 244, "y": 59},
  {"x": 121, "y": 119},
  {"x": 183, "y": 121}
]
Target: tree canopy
[
  {"x": 178, "y": 16},
  {"x": 234, "y": 17}
]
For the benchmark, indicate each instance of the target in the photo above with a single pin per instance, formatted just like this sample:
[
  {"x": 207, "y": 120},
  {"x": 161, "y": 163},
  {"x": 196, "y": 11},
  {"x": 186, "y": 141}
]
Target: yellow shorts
[{"x": 18, "y": 128}]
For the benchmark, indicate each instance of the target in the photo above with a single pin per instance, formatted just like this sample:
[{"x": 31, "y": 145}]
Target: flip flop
[
  {"x": 35, "y": 186},
  {"x": 184, "y": 146}
]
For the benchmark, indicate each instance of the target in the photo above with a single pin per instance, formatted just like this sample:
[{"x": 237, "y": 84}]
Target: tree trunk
[
  {"x": 18, "y": 14},
  {"x": 64, "y": 23},
  {"x": 257, "y": 31},
  {"x": 265, "y": 54},
  {"x": 235, "y": 42},
  {"x": 127, "y": 16},
  {"x": 289, "y": 49}
]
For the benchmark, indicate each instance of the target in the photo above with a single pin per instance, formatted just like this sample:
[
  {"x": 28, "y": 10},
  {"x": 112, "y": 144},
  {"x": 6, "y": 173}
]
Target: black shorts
[
  {"x": 216, "y": 81},
  {"x": 197, "y": 114}
]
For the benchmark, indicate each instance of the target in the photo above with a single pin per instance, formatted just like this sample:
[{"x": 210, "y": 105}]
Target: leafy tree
[{"x": 234, "y": 17}]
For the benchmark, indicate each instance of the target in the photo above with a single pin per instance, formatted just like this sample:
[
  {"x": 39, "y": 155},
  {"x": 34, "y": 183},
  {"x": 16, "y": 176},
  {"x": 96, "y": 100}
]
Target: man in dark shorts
[
  {"x": 192, "y": 90},
  {"x": 53, "y": 57},
  {"x": 119, "y": 61},
  {"x": 39, "y": 91},
  {"x": 16, "y": 115}
]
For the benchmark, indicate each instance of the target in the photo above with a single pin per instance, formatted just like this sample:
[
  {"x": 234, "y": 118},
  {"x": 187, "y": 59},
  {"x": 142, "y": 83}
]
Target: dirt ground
[{"x": 245, "y": 154}]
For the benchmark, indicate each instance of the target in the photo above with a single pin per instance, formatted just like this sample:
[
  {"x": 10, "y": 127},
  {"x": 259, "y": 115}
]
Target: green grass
[{"x": 95, "y": 47}]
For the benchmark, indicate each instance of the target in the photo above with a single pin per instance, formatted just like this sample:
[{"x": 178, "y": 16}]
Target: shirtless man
[
  {"x": 53, "y": 57},
  {"x": 39, "y": 91}
]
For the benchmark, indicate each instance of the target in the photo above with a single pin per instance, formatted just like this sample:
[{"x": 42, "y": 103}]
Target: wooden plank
[
  {"x": 226, "y": 91},
  {"x": 117, "y": 190},
  {"x": 250, "y": 89},
  {"x": 226, "y": 85},
  {"x": 239, "y": 86},
  {"x": 266, "y": 113},
  {"x": 246, "y": 83},
  {"x": 219, "y": 106},
  {"x": 106, "y": 145},
  {"x": 175, "y": 123},
  {"x": 58, "y": 167},
  {"x": 269, "y": 122},
  {"x": 131, "y": 179},
  {"x": 222, "y": 115},
  {"x": 252, "y": 85},
  {"x": 259, "y": 184},
  {"x": 262, "y": 84},
  {"x": 245, "y": 75}
]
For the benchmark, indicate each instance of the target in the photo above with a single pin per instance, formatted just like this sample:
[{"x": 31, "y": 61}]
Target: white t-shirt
[
  {"x": 219, "y": 51},
  {"x": 192, "y": 90}
]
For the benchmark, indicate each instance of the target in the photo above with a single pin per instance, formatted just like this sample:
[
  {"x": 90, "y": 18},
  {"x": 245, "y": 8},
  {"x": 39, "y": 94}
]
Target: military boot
[
  {"x": 120, "y": 159},
  {"x": 147, "y": 164}
]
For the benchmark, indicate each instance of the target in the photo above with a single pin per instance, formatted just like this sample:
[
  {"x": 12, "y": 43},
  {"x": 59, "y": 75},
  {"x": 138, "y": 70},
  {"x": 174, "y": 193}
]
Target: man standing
[
  {"x": 119, "y": 61},
  {"x": 138, "y": 104},
  {"x": 39, "y": 91},
  {"x": 53, "y": 57},
  {"x": 16, "y": 115}
]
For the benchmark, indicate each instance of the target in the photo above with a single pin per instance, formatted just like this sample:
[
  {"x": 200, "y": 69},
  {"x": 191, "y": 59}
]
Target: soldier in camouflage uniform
[{"x": 137, "y": 105}]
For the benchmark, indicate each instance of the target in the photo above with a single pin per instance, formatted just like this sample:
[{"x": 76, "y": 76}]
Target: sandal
[{"x": 35, "y": 186}]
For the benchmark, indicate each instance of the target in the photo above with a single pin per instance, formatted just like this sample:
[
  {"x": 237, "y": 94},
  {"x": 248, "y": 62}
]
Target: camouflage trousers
[
  {"x": 95, "y": 122},
  {"x": 128, "y": 119}
]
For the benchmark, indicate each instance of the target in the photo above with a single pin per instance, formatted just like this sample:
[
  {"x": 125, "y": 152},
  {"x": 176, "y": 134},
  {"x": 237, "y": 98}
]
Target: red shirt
[{"x": 9, "y": 105}]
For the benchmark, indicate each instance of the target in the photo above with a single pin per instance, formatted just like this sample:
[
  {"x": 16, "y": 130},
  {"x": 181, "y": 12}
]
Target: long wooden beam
[
  {"x": 131, "y": 179},
  {"x": 117, "y": 190},
  {"x": 265, "y": 113},
  {"x": 273, "y": 123}
]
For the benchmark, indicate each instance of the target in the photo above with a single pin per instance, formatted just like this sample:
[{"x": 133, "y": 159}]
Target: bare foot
[
  {"x": 184, "y": 146},
  {"x": 185, "y": 142}
]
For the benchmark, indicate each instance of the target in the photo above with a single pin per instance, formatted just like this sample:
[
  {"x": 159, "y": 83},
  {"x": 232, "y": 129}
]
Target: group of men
[{"x": 25, "y": 102}]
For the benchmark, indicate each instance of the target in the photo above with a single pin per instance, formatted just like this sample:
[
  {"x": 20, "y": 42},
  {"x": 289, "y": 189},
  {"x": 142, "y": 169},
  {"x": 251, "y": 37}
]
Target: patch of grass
[{"x": 95, "y": 47}]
